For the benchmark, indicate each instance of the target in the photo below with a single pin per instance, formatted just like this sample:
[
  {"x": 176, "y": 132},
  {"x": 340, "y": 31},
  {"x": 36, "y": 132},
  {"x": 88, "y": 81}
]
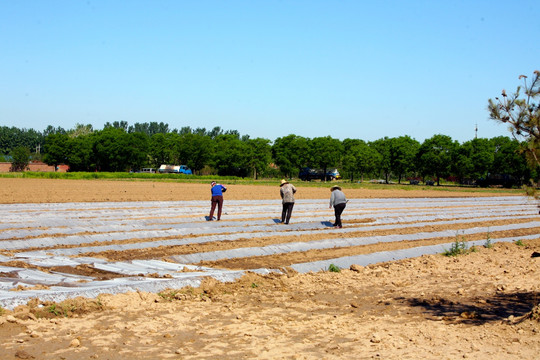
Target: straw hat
[
  {"x": 335, "y": 187},
  {"x": 283, "y": 182}
]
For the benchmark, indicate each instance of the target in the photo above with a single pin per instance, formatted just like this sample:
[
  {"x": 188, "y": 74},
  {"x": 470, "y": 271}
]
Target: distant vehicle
[
  {"x": 498, "y": 180},
  {"x": 308, "y": 174},
  {"x": 174, "y": 169},
  {"x": 148, "y": 170},
  {"x": 381, "y": 181}
]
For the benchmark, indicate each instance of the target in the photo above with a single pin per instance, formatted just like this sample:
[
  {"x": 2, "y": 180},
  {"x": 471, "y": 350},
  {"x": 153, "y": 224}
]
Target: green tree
[
  {"x": 359, "y": 158},
  {"x": 116, "y": 150},
  {"x": 80, "y": 153},
  {"x": 384, "y": 148},
  {"x": 473, "y": 159},
  {"x": 161, "y": 148},
  {"x": 215, "y": 132},
  {"x": 462, "y": 165},
  {"x": 229, "y": 157},
  {"x": 12, "y": 137},
  {"x": 522, "y": 114},
  {"x": 81, "y": 130},
  {"x": 20, "y": 158},
  {"x": 135, "y": 150},
  {"x": 402, "y": 155},
  {"x": 194, "y": 150},
  {"x": 325, "y": 152},
  {"x": 52, "y": 130},
  {"x": 5, "y": 140},
  {"x": 259, "y": 155},
  {"x": 435, "y": 156},
  {"x": 149, "y": 129},
  {"x": 290, "y": 154},
  {"x": 508, "y": 158},
  {"x": 56, "y": 149},
  {"x": 123, "y": 125},
  {"x": 348, "y": 161},
  {"x": 185, "y": 130}
]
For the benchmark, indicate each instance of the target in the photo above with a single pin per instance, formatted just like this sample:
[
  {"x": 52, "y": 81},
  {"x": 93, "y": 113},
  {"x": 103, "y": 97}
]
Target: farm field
[{"x": 126, "y": 269}]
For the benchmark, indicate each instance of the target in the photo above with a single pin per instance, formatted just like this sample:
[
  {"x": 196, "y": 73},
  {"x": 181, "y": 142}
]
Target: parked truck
[{"x": 174, "y": 169}]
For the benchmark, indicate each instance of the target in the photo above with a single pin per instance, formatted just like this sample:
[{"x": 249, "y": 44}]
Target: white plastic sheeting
[
  {"x": 384, "y": 256},
  {"x": 336, "y": 243},
  {"x": 53, "y": 235}
]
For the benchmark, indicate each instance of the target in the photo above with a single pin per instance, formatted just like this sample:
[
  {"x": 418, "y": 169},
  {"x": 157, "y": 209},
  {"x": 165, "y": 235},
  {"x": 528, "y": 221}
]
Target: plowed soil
[{"x": 480, "y": 305}]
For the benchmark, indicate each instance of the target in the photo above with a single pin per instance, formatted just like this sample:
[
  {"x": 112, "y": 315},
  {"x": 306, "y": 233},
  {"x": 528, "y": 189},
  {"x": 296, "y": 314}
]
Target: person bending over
[
  {"x": 217, "y": 199},
  {"x": 287, "y": 194}
]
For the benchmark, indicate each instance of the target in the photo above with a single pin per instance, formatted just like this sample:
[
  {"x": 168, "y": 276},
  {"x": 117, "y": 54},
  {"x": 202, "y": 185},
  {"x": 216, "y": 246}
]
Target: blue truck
[{"x": 174, "y": 169}]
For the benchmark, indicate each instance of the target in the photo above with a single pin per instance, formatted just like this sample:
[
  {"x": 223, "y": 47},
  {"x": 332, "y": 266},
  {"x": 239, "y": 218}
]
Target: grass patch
[{"x": 67, "y": 308}]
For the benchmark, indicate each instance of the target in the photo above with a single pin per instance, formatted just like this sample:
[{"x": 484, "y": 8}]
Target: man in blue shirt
[{"x": 217, "y": 199}]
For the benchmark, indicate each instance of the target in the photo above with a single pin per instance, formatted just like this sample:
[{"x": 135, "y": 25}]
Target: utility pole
[{"x": 476, "y": 131}]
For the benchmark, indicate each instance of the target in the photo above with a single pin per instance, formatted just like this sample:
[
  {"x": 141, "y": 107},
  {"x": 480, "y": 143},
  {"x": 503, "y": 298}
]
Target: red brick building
[{"x": 35, "y": 166}]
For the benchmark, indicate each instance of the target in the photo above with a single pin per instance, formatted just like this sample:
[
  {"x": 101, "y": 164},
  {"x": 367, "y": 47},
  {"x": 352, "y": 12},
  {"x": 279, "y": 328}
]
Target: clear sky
[{"x": 267, "y": 68}]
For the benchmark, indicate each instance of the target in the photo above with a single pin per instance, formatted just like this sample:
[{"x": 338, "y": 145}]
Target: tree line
[{"x": 121, "y": 147}]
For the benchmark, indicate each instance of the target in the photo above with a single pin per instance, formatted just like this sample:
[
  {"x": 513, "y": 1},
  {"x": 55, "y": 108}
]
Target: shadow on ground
[{"x": 477, "y": 311}]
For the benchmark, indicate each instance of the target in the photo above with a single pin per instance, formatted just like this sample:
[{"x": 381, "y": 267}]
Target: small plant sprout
[
  {"x": 254, "y": 285},
  {"x": 168, "y": 296},
  {"x": 334, "y": 268},
  {"x": 53, "y": 310},
  {"x": 488, "y": 243},
  {"x": 459, "y": 247},
  {"x": 520, "y": 243}
]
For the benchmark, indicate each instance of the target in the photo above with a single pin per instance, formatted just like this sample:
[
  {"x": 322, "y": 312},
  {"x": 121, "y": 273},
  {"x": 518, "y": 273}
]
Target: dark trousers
[
  {"x": 338, "y": 209},
  {"x": 286, "y": 213},
  {"x": 216, "y": 200}
]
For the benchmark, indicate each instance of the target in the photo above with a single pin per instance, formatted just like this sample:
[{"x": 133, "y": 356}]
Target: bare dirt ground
[
  {"x": 481, "y": 305},
  {"x": 15, "y": 191}
]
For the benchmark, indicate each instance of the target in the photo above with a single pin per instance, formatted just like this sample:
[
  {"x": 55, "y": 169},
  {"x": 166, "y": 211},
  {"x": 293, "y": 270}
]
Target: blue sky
[{"x": 348, "y": 69}]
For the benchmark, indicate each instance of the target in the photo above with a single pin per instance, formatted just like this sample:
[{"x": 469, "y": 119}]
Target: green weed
[
  {"x": 459, "y": 247},
  {"x": 63, "y": 310},
  {"x": 334, "y": 268},
  {"x": 53, "y": 310},
  {"x": 519, "y": 243},
  {"x": 168, "y": 296},
  {"x": 488, "y": 243}
]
